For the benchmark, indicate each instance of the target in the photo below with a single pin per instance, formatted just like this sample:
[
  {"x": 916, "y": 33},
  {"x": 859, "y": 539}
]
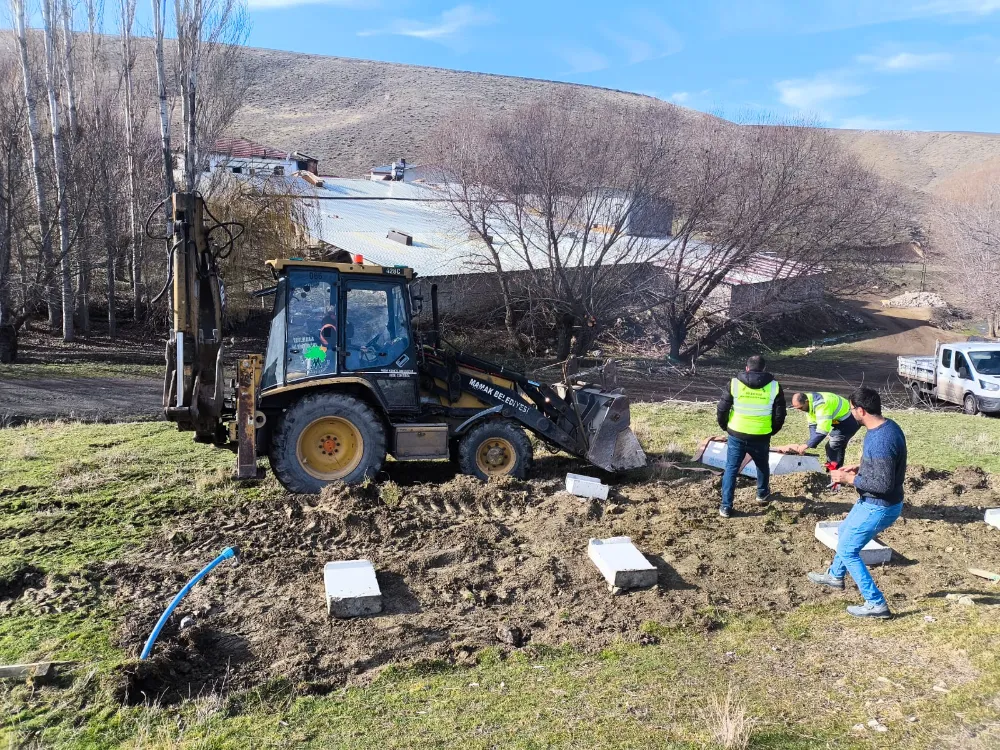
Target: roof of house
[
  {"x": 243, "y": 148},
  {"x": 357, "y": 215}
]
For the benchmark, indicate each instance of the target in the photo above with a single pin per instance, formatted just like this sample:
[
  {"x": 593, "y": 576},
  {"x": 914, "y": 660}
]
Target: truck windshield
[{"x": 986, "y": 363}]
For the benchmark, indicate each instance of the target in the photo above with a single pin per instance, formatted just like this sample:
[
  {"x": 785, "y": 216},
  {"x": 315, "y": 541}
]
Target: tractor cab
[{"x": 342, "y": 320}]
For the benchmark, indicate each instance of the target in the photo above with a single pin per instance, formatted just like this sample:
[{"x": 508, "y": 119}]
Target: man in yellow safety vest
[
  {"x": 751, "y": 412},
  {"x": 829, "y": 419}
]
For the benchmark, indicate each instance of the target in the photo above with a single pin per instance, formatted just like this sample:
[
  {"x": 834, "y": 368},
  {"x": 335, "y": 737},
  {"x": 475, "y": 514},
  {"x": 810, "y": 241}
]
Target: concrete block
[
  {"x": 621, "y": 563},
  {"x": 872, "y": 553},
  {"x": 584, "y": 486},
  {"x": 351, "y": 588},
  {"x": 780, "y": 463},
  {"x": 993, "y": 517}
]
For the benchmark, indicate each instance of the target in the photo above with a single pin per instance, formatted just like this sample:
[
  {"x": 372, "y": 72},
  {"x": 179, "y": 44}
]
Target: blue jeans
[
  {"x": 863, "y": 523},
  {"x": 759, "y": 451}
]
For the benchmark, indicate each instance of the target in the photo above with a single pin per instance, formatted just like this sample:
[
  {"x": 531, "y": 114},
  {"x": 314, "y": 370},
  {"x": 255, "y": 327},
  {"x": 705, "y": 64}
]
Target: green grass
[
  {"x": 940, "y": 440},
  {"x": 74, "y": 370},
  {"x": 85, "y": 494}
]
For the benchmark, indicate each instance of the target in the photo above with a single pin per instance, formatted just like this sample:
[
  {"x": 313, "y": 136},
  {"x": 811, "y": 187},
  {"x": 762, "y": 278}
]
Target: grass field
[
  {"x": 60, "y": 370},
  {"x": 73, "y": 496}
]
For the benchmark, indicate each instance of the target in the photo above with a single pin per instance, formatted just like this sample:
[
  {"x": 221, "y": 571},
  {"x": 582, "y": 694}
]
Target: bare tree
[
  {"x": 775, "y": 201},
  {"x": 61, "y": 172},
  {"x": 967, "y": 228},
  {"x": 209, "y": 35},
  {"x": 561, "y": 195},
  {"x": 14, "y": 308},
  {"x": 18, "y": 11},
  {"x": 159, "y": 26}
]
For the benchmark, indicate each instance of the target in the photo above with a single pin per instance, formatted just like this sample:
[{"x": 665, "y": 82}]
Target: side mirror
[{"x": 416, "y": 305}]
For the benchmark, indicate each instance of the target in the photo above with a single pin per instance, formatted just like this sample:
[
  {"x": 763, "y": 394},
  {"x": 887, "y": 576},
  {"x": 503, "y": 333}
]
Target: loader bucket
[{"x": 606, "y": 419}]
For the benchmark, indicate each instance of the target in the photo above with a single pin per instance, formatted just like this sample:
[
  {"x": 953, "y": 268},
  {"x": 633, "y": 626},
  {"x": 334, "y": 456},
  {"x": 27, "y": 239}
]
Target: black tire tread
[
  {"x": 510, "y": 431},
  {"x": 284, "y": 462}
]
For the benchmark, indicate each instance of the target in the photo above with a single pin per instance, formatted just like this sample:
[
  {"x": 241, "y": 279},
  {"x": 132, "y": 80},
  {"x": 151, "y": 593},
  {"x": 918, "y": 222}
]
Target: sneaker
[
  {"x": 825, "y": 579},
  {"x": 764, "y": 500},
  {"x": 876, "y": 611},
  {"x": 726, "y": 512}
]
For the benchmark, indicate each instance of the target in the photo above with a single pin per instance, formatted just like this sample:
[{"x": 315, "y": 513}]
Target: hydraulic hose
[{"x": 226, "y": 554}]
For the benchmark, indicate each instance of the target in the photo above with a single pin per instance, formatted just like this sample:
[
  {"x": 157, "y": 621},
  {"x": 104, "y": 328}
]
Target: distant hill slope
[{"x": 353, "y": 114}]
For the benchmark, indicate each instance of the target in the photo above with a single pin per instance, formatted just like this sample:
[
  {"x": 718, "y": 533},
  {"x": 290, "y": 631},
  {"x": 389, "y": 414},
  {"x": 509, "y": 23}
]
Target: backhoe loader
[{"x": 346, "y": 379}]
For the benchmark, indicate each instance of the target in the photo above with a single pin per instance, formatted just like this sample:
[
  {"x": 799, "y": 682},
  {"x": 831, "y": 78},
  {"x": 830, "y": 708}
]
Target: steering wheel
[{"x": 368, "y": 353}]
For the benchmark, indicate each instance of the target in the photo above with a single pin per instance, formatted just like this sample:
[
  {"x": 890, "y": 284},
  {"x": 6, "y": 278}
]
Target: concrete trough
[
  {"x": 872, "y": 553},
  {"x": 621, "y": 563},
  {"x": 993, "y": 517},
  {"x": 584, "y": 486},
  {"x": 780, "y": 463},
  {"x": 351, "y": 588}
]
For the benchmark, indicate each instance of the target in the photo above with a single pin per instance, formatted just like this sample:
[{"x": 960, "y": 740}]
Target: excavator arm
[{"x": 193, "y": 394}]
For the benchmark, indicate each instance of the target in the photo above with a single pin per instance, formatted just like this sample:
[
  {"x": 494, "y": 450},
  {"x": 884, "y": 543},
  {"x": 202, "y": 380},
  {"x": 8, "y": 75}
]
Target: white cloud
[
  {"x": 904, "y": 61},
  {"x": 451, "y": 23},
  {"x": 583, "y": 59},
  {"x": 864, "y": 122},
  {"x": 810, "y": 94},
  {"x": 679, "y": 97}
]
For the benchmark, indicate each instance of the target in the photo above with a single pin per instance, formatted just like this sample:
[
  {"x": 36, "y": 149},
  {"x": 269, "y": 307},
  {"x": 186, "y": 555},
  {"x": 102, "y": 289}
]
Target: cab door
[
  {"x": 377, "y": 341},
  {"x": 946, "y": 376}
]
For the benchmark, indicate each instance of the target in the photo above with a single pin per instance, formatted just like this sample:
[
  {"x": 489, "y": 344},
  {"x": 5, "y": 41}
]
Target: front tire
[
  {"x": 970, "y": 406},
  {"x": 325, "y": 438},
  {"x": 495, "y": 449}
]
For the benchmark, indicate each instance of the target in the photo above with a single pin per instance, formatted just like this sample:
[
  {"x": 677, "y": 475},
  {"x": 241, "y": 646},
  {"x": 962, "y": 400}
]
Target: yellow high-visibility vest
[
  {"x": 826, "y": 409},
  {"x": 751, "y": 412}
]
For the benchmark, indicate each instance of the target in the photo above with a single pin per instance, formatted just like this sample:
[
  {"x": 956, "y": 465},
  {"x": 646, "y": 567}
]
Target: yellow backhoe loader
[{"x": 346, "y": 379}]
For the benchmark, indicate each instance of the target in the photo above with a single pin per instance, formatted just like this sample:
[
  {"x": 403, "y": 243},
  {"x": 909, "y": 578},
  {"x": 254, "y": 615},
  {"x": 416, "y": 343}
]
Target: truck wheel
[
  {"x": 969, "y": 405},
  {"x": 324, "y": 438},
  {"x": 915, "y": 398},
  {"x": 495, "y": 449}
]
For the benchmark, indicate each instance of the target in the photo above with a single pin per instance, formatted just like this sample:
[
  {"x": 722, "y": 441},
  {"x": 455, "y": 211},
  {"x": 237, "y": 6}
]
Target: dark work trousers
[{"x": 839, "y": 437}]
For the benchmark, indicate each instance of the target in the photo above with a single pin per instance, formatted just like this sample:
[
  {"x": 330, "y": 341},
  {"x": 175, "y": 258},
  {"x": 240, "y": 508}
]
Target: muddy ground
[{"x": 464, "y": 565}]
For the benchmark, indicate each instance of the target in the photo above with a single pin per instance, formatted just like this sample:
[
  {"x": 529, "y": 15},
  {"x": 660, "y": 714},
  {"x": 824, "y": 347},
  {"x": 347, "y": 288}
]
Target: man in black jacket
[{"x": 751, "y": 412}]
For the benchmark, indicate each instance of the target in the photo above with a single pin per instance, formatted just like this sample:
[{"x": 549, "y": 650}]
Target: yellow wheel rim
[
  {"x": 495, "y": 457},
  {"x": 330, "y": 448}
]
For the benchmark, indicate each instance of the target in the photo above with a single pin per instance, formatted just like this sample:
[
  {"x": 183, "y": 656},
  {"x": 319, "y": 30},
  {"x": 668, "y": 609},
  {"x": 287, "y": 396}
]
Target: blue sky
[{"x": 896, "y": 64}]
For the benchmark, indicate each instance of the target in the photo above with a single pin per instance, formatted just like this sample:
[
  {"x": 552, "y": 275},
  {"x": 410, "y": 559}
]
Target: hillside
[{"x": 353, "y": 114}]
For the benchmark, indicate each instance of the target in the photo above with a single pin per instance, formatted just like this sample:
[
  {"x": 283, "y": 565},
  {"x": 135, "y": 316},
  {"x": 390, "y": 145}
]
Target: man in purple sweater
[{"x": 879, "y": 482}]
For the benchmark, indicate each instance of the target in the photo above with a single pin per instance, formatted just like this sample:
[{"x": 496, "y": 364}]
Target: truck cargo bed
[{"x": 917, "y": 368}]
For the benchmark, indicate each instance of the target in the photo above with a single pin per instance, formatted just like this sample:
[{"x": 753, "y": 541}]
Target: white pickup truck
[{"x": 967, "y": 374}]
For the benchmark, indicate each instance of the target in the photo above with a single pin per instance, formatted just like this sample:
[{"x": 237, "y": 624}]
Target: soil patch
[{"x": 464, "y": 565}]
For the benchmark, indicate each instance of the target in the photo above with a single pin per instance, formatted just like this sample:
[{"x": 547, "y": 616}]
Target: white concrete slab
[
  {"x": 584, "y": 486},
  {"x": 872, "y": 553},
  {"x": 621, "y": 563},
  {"x": 351, "y": 588},
  {"x": 780, "y": 463},
  {"x": 993, "y": 517}
]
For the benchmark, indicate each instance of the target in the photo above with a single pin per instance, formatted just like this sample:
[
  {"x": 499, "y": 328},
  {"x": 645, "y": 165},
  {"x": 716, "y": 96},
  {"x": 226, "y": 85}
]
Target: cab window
[
  {"x": 274, "y": 357},
  {"x": 946, "y": 357},
  {"x": 962, "y": 366},
  {"x": 377, "y": 326},
  {"x": 311, "y": 345}
]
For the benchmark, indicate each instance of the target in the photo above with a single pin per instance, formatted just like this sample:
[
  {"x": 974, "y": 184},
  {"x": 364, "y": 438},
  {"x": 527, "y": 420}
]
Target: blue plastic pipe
[{"x": 226, "y": 554}]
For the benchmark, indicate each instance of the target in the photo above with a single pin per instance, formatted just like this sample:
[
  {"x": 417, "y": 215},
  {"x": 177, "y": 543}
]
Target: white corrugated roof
[{"x": 357, "y": 215}]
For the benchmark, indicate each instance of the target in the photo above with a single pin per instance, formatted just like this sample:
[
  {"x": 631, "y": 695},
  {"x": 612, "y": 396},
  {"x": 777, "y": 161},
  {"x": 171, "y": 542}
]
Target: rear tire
[
  {"x": 916, "y": 399},
  {"x": 495, "y": 449},
  {"x": 969, "y": 405},
  {"x": 325, "y": 438}
]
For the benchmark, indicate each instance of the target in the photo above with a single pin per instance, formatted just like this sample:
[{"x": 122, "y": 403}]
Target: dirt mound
[
  {"x": 915, "y": 299},
  {"x": 464, "y": 565}
]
